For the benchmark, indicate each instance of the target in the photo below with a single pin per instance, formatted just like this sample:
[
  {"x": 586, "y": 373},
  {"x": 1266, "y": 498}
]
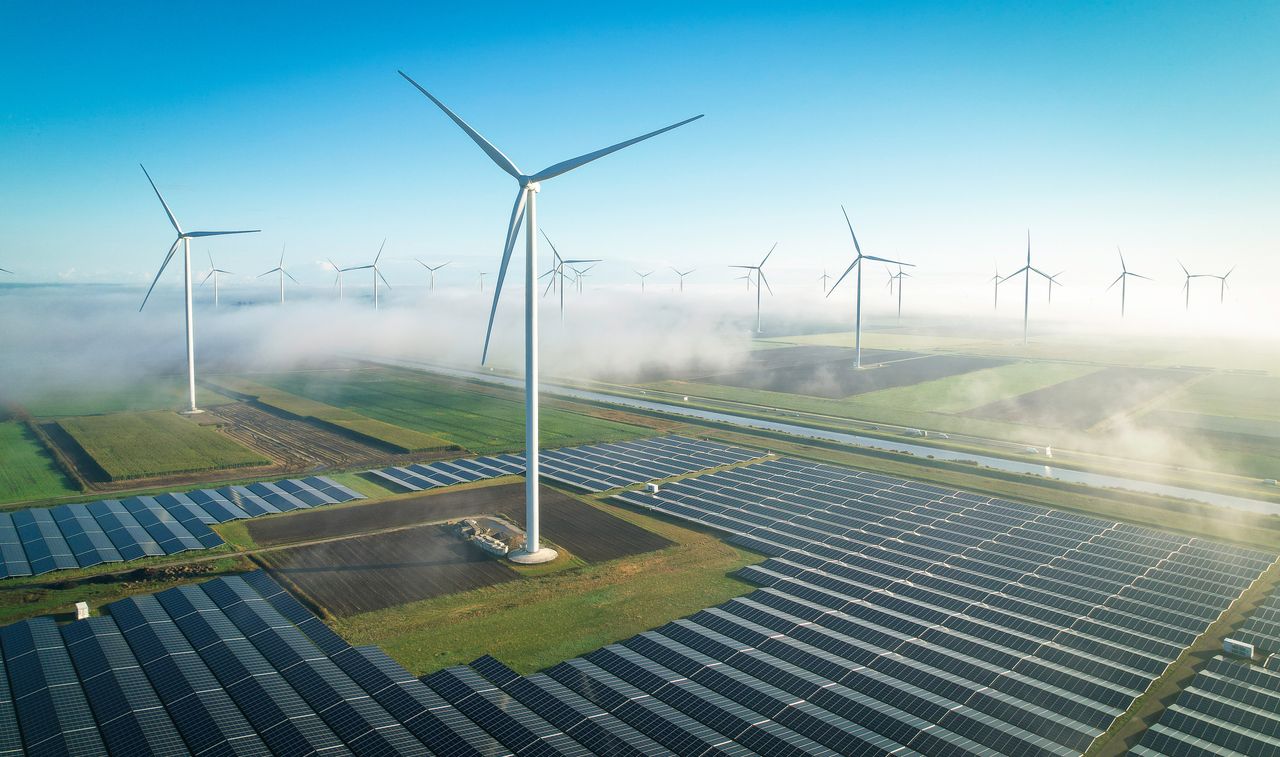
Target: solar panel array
[
  {"x": 113, "y": 530},
  {"x": 948, "y": 622},
  {"x": 1262, "y": 628},
  {"x": 593, "y": 467},
  {"x": 1230, "y": 708}
]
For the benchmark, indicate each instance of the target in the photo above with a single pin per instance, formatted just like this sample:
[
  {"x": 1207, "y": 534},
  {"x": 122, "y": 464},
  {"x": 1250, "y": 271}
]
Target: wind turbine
[
  {"x": 744, "y": 277},
  {"x": 6, "y": 270},
  {"x": 431, "y": 269},
  {"x": 278, "y": 269},
  {"x": 899, "y": 276},
  {"x": 482, "y": 275},
  {"x": 1053, "y": 280},
  {"x": 1186, "y": 285},
  {"x": 338, "y": 278},
  {"x": 760, "y": 278},
  {"x": 823, "y": 278},
  {"x": 857, "y": 262},
  {"x": 642, "y": 276},
  {"x": 579, "y": 274},
  {"x": 682, "y": 274},
  {"x": 184, "y": 238},
  {"x": 995, "y": 285},
  {"x": 558, "y": 269},
  {"x": 1222, "y": 284},
  {"x": 377, "y": 273},
  {"x": 213, "y": 273},
  {"x": 526, "y": 203},
  {"x": 1123, "y": 280},
  {"x": 1028, "y": 269},
  {"x": 892, "y": 278}
]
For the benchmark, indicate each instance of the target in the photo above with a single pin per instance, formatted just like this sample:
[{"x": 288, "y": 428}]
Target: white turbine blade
[
  {"x": 1228, "y": 273},
  {"x": 167, "y": 212},
  {"x": 886, "y": 260},
  {"x": 565, "y": 166},
  {"x": 855, "y": 236},
  {"x": 220, "y": 233},
  {"x": 748, "y": 267},
  {"x": 547, "y": 291},
  {"x": 290, "y": 275},
  {"x": 554, "y": 251},
  {"x": 766, "y": 257},
  {"x": 442, "y": 265},
  {"x": 163, "y": 265},
  {"x": 1123, "y": 267},
  {"x": 513, "y": 229},
  {"x": 765, "y": 279},
  {"x": 268, "y": 273},
  {"x": 846, "y": 272},
  {"x": 375, "y": 270},
  {"x": 379, "y": 255},
  {"x": 207, "y": 276},
  {"x": 281, "y": 263},
  {"x": 211, "y": 265},
  {"x": 494, "y": 153},
  {"x": 1117, "y": 281},
  {"x": 333, "y": 264},
  {"x": 355, "y": 268},
  {"x": 580, "y": 260},
  {"x": 1184, "y": 268},
  {"x": 424, "y": 265},
  {"x": 1148, "y": 278}
]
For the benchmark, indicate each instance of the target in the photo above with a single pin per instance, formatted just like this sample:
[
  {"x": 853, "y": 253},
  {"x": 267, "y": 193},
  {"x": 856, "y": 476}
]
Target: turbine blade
[
  {"x": 6, "y": 270},
  {"x": 855, "y": 236},
  {"x": 220, "y": 233},
  {"x": 554, "y": 251},
  {"x": 565, "y": 166},
  {"x": 1148, "y": 278},
  {"x": 513, "y": 228},
  {"x": 1123, "y": 267},
  {"x": 384, "y": 278},
  {"x": 163, "y": 265},
  {"x": 760, "y": 273},
  {"x": 580, "y": 260},
  {"x": 766, "y": 257},
  {"x": 843, "y": 275},
  {"x": 379, "y": 255},
  {"x": 290, "y": 275},
  {"x": 206, "y": 277},
  {"x": 1117, "y": 281},
  {"x": 167, "y": 212},
  {"x": 886, "y": 260},
  {"x": 268, "y": 273},
  {"x": 494, "y": 153},
  {"x": 547, "y": 291},
  {"x": 210, "y": 254}
]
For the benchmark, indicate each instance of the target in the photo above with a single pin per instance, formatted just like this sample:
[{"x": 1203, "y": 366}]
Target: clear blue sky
[{"x": 947, "y": 129}]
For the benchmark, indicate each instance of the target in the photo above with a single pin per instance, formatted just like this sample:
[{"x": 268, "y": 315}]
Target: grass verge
[{"x": 155, "y": 443}]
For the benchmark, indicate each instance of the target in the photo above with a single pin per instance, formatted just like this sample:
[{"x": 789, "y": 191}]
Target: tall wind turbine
[
  {"x": 642, "y": 276},
  {"x": 899, "y": 276},
  {"x": 184, "y": 238},
  {"x": 1123, "y": 280},
  {"x": 337, "y": 278},
  {"x": 482, "y": 275},
  {"x": 857, "y": 263},
  {"x": 682, "y": 274},
  {"x": 760, "y": 278},
  {"x": 557, "y": 270},
  {"x": 431, "y": 269},
  {"x": 213, "y": 273},
  {"x": 579, "y": 274},
  {"x": 995, "y": 285},
  {"x": 1053, "y": 281},
  {"x": 1186, "y": 285},
  {"x": 526, "y": 203},
  {"x": 1027, "y": 269},
  {"x": 377, "y": 273},
  {"x": 1222, "y": 284},
  {"x": 823, "y": 278},
  {"x": 278, "y": 269},
  {"x": 744, "y": 277}
]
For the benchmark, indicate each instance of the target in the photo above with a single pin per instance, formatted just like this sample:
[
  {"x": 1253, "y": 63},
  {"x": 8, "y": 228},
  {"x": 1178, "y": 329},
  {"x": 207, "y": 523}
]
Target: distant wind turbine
[
  {"x": 857, "y": 263},
  {"x": 1027, "y": 269},
  {"x": 823, "y": 278},
  {"x": 995, "y": 285},
  {"x": 337, "y": 278},
  {"x": 1222, "y": 284},
  {"x": 744, "y": 277},
  {"x": 579, "y": 274},
  {"x": 557, "y": 269},
  {"x": 682, "y": 274},
  {"x": 1123, "y": 280},
  {"x": 642, "y": 276},
  {"x": 482, "y": 275},
  {"x": 431, "y": 269},
  {"x": 184, "y": 238},
  {"x": 213, "y": 273},
  {"x": 899, "y": 276},
  {"x": 526, "y": 203},
  {"x": 377, "y": 273},
  {"x": 1053, "y": 281},
  {"x": 278, "y": 269},
  {"x": 1186, "y": 285},
  {"x": 760, "y": 278}
]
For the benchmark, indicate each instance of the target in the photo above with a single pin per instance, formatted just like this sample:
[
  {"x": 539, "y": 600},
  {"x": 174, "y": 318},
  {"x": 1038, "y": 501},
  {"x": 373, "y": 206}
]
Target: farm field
[
  {"x": 168, "y": 393},
  {"x": 375, "y": 571},
  {"x": 296, "y": 443},
  {"x": 1230, "y": 395},
  {"x": 27, "y": 470},
  {"x": 1082, "y": 402},
  {"x": 474, "y": 418},
  {"x": 156, "y": 443}
]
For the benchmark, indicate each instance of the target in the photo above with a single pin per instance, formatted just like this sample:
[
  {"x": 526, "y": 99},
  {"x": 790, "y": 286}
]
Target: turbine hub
[{"x": 533, "y": 186}]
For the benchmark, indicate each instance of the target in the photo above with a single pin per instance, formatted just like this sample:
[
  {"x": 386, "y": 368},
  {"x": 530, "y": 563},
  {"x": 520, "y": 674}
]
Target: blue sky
[{"x": 946, "y": 129}]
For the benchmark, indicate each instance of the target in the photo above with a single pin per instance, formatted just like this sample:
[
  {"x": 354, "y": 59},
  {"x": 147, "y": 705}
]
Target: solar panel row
[
  {"x": 1262, "y": 628},
  {"x": 83, "y": 535},
  {"x": 593, "y": 467},
  {"x": 1230, "y": 708},
  {"x": 957, "y": 623}
]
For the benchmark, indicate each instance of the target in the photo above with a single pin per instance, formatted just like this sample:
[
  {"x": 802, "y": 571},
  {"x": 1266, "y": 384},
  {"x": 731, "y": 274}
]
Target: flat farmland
[
  {"x": 295, "y": 442},
  {"x": 137, "y": 396},
  {"x": 837, "y": 377},
  {"x": 478, "y": 419},
  {"x": 27, "y": 470},
  {"x": 587, "y": 531},
  {"x": 143, "y": 445},
  {"x": 1083, "y": 402},
  {"x": 376, "y": 571}
]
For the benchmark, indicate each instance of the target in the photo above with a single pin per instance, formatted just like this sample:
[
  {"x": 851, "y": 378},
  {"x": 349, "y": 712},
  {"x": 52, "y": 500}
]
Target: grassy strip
[
  {"x": 396, "y": 437},
  {"x": 155, "y": 443},
  {"x": 541, "y": 620},
  {"x": 28, "y": 471}
]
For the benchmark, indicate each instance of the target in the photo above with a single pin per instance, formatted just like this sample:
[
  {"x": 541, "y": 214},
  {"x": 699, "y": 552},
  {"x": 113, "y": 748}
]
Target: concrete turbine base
[
  {"x": 521, "y": 557},
  {"x": 197, "y": 411}
]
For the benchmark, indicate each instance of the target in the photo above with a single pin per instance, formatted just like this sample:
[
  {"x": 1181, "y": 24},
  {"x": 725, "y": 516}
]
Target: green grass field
[
  {"x": 480, "y": 420},
  {"x": 156, "y": 443},
  {"x": 27, "y": 470},
  {"x": 538, "y": 621},
  {"x": 146, "y": 394}
]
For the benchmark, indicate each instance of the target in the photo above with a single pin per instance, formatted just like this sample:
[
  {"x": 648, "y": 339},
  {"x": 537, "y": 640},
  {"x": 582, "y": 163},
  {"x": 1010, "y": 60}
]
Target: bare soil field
[
  {"x": 829, "y": 371},
  {"x": 294, "y": 443},
  {"x": 371, "y": 572},
  {"x": 588, "y": 532},
  {"x": 1083, "y": 402}
]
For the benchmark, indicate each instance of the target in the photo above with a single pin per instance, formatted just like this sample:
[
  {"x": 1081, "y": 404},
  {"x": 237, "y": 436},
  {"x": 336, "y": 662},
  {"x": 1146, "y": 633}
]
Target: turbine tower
[
  {"x": 184, "y": 238},
  {"x": 431, "y": 269},
  {"x": 642, "y": 276},
  {"x": 213, "y": 273},
  {"x": 760, "y": 278},
  {"x": 1222, "y": 284},
  {"x": 558, "y": 269},
  {"x": 377, "y": 273},
  {"x": 899, "y": 276},
  {"x": 1123, "y": 280},
  {"x": 482, "y": 275},
  {"x": 337, "y": 278},
  {"x": 1186, "y": 285},
  {"x": 995, "y": 285},
  {"x": 857, "y": 263},
  {"x": 682, "y": 274},
  {"x": 1053, "y": 281},
  {"x": 579, "y": 274},
  {"x": 278, "y": 269},
  {"x": 1027, "y": 269},
  {"x": 526, "y": 204},
  {"x": 823, "y": 278}
]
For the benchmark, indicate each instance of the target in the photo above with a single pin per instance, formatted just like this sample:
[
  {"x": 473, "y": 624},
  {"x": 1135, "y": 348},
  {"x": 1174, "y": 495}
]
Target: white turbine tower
[
  {"x": 857, "y": 262},
  {"x": 184, "y": 238},
  {"x": 280, "y": 270},
  {"x": 337, "y": 280},
  {"x": 823, "y": 278},
  {"x": 898, "y": 277},
  {"x": 377, "y": 273},
  {"x": 557, "y": 270},
  {"x": 682, "y": 274},
  {"x": 579, "y": 274},
  {"x": 995, "y": 285},
  {"x": 642, "y": 276},
  {"x": 1053, "y": 281},
  {"x": 1186, "y": 285},
  {"x": 1123, "y": 280},
  {"x": 760, "y": 278},
  {"x": 1028, "y": 269},
  {"x": 1222, "y": 284},
  {"x": 482, "y": 275},
  {"x": 213, "y": 274},
  {"x": 526, "y": 204},
  {"x": 431, "y": 269}
]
